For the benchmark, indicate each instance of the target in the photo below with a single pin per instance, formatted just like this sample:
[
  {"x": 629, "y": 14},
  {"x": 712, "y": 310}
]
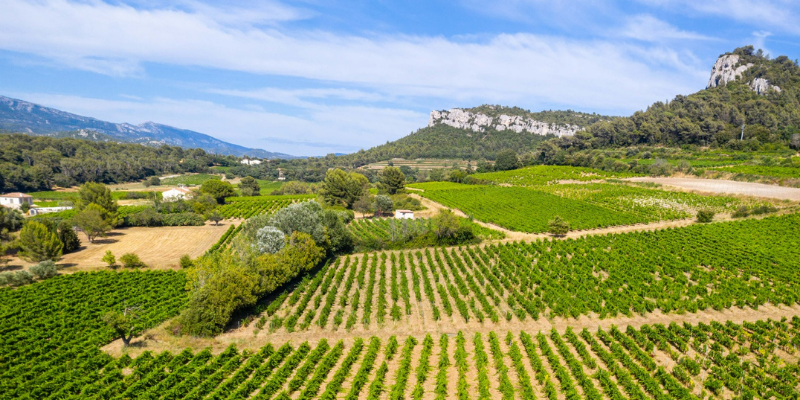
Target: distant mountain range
[{"x": 25, "y": 117}]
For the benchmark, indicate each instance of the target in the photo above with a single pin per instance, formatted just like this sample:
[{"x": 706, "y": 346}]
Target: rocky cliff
[
  {"x": 728, "y": 68},
  {"x": 479, "y": 122}
]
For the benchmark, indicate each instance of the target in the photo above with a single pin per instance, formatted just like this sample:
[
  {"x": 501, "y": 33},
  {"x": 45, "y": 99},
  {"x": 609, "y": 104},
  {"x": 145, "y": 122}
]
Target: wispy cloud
[
  {"x": 119, "y": 39},
  {"x": 648, "y": 28}
]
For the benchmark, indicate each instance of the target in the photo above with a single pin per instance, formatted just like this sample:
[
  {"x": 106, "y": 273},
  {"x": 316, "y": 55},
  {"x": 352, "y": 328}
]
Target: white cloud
[
  {"x": 508, "y": 68},
  {"x": 779, "y": 15},
  {"x": 334, "y": 129},
  {"x": 651, "y": 29}
]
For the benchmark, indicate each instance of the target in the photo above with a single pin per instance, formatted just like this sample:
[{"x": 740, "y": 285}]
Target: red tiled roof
[{"x": 16, "y": 195}]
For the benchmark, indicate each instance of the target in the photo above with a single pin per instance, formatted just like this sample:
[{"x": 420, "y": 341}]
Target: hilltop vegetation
[{"x": 39, "y": 163}]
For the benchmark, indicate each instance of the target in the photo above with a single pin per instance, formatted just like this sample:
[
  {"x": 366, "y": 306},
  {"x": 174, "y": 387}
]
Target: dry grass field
[{"x": 160, "y": 248}]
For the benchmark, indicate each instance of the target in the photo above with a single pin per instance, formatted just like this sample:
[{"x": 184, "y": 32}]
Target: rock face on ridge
[
  {"x": 726, "y": 69},
  {"x": 478, "y": 122}
]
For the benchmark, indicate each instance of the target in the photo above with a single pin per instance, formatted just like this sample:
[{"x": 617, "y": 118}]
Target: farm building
[
  {"x": 180, "y": 193},
  {"x": 250, "y": 162},
  {"x": 15, "y": 200},
  {"x": 45, "y": 210},
  {"x": 404, "y": 214}
]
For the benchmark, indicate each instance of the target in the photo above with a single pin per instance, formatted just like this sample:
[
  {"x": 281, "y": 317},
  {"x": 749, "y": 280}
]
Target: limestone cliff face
[
  {"x": 477, "y": 122},
  {"x": 728, "y": 69}
]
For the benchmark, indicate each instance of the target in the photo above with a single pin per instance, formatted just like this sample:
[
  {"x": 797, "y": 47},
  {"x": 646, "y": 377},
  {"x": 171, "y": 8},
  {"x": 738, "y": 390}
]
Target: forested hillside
[
  {"x": 29, "y": 163},
  {"x": 444, "y": 141},
  {"x": 714, "y": 116}
]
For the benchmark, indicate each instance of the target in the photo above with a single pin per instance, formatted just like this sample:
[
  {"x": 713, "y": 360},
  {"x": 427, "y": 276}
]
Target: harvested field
[
  {"x": 160, "y": 248},
  {"x": 727, "y": 187}
]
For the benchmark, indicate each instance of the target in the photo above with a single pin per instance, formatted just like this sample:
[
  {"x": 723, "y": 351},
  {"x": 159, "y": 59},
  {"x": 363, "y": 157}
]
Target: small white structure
[
  {"x": 45, "y": 210},
  {"x": 251, "y": 162},
  {"x": 179, "y": 193},
  {"x": 403, "y": 214},
  {"x": 281, "y": 177},
  {"x": 15, "y": 200}
]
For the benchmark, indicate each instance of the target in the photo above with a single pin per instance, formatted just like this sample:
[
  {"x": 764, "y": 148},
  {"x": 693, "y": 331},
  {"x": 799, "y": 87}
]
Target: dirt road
[{"x": 727, "y": 187}]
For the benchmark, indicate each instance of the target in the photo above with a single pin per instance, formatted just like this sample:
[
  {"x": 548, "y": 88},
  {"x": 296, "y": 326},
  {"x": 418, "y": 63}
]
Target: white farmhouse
[
  {"x": 46, "y": 210},
  {"x": 251, "y": 162},
  {"x": 180, "y": 193},
  {"x": 15, "y": 200},
  {"x": 403, "y": 214}
]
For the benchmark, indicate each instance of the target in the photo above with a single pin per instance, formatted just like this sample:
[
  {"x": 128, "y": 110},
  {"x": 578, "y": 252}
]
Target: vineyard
[
  {"x": 544, "y": 174},
  {"x": 50, "y": 332},
  {"x": 527, "y": 210},
  {"x": 246, "y": 207},
  {"x": 584, "y": 206},
  {"x": 717, "y": 266}
]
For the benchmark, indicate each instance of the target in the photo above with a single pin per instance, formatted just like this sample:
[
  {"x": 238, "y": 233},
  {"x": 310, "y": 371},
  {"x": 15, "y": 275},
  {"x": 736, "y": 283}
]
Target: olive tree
[{"x": 270, "y": 239}]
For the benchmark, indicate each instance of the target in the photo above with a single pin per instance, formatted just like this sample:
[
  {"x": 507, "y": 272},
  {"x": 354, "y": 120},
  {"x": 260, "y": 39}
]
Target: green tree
[
  {"x": 363, "y": 205},
  {"x": 38, "y": 243},
  {"x": 96, "y": 193},
  {"x": 25, "y": 207},
  {"x": 558, "y": 226},
  {"x": 125, "y": 324},
  {"x": 154, "y": 181},
  {"x": 506, "y": 160},
  {"x": 91, "y": 222},
  {"x": 217, "y": 189},
  {"x": 68, "y": 237},
  {"x": 382, "y": 204},
  {"x": 392, "y": 180},
  {"x": 249, "y": 186},
  {"x": 109, "y": 259},
  {"x": 446, "y": 224},
  {"x": 342, "y": 188},
  {"x": 186, "y": 261},
  {"x": 214, "y": 216}
]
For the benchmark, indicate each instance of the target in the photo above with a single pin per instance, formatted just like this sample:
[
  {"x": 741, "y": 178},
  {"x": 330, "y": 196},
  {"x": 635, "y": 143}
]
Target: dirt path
[
  {"x": 727, "y": 187},
  {"x": 158, "y": 339}
]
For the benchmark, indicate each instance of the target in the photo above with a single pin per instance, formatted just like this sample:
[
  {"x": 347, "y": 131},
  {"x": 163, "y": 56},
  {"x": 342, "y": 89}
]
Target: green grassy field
[{"x": 189, "y": 179}]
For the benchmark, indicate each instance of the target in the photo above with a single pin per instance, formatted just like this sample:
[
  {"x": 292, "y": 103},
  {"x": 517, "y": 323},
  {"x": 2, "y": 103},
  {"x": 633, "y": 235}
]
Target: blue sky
[{"x": 314, "y": 77}]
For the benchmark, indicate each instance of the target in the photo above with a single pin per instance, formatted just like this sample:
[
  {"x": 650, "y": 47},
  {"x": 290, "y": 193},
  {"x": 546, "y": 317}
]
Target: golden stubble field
[{"x": 158, "y": 247}]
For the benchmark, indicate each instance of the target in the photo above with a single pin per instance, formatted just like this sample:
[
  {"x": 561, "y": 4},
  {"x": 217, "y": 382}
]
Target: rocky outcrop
[
  {"x": 761, "y": 86},
  {"x": 477, "y": 122},
  {"x": 726, "y": 69}
]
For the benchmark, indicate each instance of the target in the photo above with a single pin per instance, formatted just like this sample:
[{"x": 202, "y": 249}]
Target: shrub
[
  {"x": 186, "y": 261},
  {"x": 20, "y": 278},
  {"x": 147, "y": 217},
  {"x": 44, "y": 270},
  {"x": 131, "y": 260},
  {"x": 705, "y": 216},
  {"x": 109, "y": 259},
  {"x": 741, "y": 212},
  {"x": 184, "y": 219}
]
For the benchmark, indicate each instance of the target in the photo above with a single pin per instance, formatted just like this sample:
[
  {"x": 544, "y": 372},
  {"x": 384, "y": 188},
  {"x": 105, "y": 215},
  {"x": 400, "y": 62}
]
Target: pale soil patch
[
  {"x": 159, "y": 339},
  {"x": 727, "y": 187},
  {"x": 159, "y": 248}
]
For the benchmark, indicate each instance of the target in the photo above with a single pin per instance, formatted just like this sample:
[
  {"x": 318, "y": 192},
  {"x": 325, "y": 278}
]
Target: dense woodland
[{"x": 31, "y": 163}]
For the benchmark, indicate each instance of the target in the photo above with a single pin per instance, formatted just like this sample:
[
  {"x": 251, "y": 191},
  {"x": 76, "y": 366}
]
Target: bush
[
  {"x": 741, "y": 212},
  {"x": 19, "y": 278},
  {"x": 38, "y": 243},
  {"x": 183, "y": 219},
  {"x": 109, "y": 259},
  {"x": 764, "y": 210},
  {"x": 705, "y": 216},
  {"x": 44, "y": 270},
  {"x": 131, "y": 260},
  {"x": 186, "y": 261}
]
